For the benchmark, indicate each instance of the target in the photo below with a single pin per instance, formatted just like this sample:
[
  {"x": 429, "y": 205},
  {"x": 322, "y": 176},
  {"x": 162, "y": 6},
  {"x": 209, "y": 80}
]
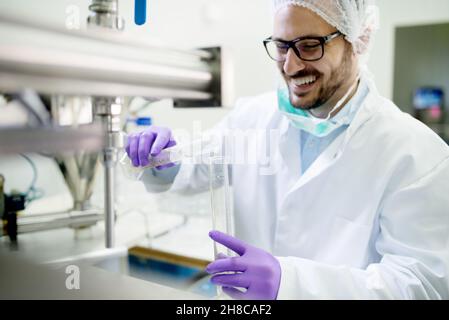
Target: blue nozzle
[
  {"x": 141, "y": 121},
  {"x": 140, "y": 12}
]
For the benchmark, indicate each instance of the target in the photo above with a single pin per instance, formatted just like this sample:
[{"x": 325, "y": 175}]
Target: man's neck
[{"x": 323, "y": 111}]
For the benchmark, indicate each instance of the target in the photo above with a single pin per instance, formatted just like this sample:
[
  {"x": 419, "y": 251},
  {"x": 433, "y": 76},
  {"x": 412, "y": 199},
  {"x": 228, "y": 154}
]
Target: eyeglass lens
[{"x": 308, "y": 49}]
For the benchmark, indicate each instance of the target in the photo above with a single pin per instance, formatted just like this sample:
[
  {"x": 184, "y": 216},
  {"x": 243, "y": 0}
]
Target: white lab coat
[{"x": 368, "y": 220}]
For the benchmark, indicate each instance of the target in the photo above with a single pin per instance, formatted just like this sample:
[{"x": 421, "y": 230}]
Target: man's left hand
[{"x": 254, "y": 269}]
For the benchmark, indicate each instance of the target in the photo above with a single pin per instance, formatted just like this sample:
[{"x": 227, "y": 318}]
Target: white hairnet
[{"x": 356, "y": 19}]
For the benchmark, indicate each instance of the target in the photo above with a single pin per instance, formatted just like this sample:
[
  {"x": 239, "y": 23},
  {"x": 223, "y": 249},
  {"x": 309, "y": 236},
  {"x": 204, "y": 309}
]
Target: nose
[{"x": 292, "y": 64}]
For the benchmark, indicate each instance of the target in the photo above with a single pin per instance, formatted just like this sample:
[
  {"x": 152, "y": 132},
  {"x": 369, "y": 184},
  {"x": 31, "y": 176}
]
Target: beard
[{"x": 326, "y": 90}]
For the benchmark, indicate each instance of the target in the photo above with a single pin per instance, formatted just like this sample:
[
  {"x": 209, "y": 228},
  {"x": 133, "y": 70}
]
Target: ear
[
  {"x": 363, "y": 42},
  {"x": 351, "y": 49},
  {"x": 354, "y": 52},
  {"x": 371, "y": 25}
]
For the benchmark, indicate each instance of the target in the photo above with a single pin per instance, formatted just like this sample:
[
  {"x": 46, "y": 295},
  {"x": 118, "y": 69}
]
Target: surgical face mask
[{"x": 304, "y": 120}]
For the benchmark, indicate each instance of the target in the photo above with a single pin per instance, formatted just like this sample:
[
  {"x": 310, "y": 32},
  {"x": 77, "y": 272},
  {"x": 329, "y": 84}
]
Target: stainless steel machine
[{"x": 89, "y": 76}]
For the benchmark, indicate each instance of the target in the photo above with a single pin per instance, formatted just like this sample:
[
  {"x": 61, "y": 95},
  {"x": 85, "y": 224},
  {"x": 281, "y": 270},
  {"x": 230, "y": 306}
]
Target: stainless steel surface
[
  {"x": 52, "y": 140},
  {"x": 57, "y": 220},
  {"x": 39, "y": 132},
  {"x": 24, "y": 279},
  {"x": 90, "y": 257}
]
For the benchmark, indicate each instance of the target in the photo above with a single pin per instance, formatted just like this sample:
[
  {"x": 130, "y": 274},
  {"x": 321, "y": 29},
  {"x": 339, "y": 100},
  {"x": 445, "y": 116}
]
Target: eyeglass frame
[{"x": 292, "y": 45}]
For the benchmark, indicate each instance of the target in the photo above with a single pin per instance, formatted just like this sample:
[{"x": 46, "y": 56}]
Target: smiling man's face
[{"x": 332, "y": 75}]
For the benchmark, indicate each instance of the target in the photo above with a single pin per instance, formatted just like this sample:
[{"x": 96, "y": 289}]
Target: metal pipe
[
  {"x": 2, "y": 196},
  {"x": 109, "y": 193},
  {"x": 57, "y": 220},
  {"x": 11, "y": 81},
  {"x": 74, "y": 65},
  {"x": 105, "y": 15},
  {"x": 108, "y": 111}
]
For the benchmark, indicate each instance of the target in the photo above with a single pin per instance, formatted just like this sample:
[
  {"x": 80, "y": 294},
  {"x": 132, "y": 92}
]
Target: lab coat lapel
[
  {"x": 290, "y": 151},
  {"x": 289, "y": 148},
  {"x": 324, "y": 161},
  {"x": 329, "y": 156}
]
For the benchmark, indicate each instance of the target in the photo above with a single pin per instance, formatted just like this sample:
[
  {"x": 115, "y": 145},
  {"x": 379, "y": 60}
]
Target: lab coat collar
[{"x": 289, "y": 147}]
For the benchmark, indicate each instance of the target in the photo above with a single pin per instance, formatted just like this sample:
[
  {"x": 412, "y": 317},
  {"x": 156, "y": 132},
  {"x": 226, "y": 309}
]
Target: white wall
[{"x": 395, "y": 13}]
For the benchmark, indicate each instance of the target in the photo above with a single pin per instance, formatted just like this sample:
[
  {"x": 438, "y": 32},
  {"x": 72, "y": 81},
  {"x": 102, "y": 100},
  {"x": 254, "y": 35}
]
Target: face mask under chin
[{"x": 304, "y": 120}]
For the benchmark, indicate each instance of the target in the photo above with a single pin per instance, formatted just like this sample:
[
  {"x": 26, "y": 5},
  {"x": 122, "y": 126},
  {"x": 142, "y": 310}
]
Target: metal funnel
[
  {"x": 78, "y": 169},
  {"x": 79, "y": 173}
]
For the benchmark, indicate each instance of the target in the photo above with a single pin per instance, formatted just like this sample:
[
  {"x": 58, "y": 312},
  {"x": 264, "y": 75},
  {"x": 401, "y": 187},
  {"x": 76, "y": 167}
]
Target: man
[{"x": 357, "y": 208}]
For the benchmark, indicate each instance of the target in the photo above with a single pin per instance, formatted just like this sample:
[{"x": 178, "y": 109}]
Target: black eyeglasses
[{"x": 307, "y": 48}]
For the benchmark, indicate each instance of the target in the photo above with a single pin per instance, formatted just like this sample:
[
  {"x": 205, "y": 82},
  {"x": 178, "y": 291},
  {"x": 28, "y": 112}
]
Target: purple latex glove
[
  {"x": 255, "y": 270},
  {"x": 149, "y": 142}
]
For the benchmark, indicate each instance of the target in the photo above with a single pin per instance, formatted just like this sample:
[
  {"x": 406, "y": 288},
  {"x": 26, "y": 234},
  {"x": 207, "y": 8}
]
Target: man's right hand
[{"x": 149, "y": 142}]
